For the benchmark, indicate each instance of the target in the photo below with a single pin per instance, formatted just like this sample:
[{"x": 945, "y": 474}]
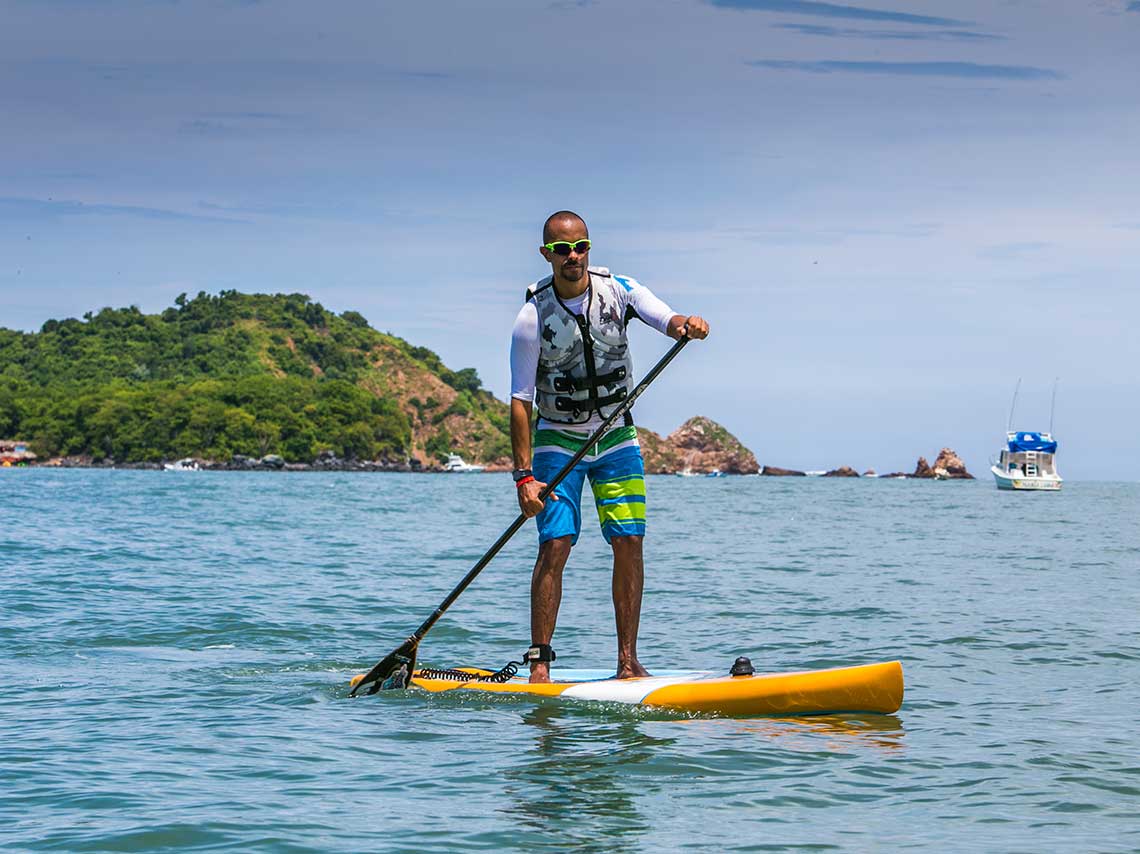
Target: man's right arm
[
  {"x": 520, "y": 432},
  {"x": 524, "y": 365},
  {"x": 529, "y": 502}
]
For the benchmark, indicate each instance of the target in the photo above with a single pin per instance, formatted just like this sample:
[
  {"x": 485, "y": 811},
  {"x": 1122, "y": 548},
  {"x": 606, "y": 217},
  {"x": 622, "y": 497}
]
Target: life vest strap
[
  {"x": 570, "y": 404},
  {"x": 569, "y": 383}
]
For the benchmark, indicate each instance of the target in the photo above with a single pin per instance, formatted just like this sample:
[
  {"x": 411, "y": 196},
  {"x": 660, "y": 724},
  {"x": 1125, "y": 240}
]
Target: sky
[{"x": 888, "y": 211}]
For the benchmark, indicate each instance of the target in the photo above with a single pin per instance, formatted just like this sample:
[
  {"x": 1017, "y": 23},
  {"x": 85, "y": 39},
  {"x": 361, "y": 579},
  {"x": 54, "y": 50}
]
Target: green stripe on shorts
[{"x": 571, "y": 440}]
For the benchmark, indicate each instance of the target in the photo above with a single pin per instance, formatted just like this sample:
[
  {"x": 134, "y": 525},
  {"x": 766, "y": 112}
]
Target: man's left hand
[{"x": 695, "y": 327}]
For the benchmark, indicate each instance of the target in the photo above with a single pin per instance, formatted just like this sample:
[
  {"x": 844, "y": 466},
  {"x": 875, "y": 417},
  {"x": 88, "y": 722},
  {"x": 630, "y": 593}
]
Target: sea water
[{"x": 175, "y": 650}]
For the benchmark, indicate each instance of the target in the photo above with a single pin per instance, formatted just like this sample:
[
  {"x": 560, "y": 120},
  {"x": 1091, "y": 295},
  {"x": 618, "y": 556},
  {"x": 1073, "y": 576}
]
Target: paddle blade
[{"x": 394, "y": 671}]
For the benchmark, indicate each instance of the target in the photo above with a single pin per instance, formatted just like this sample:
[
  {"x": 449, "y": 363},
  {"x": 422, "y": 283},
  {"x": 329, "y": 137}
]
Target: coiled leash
[{"x": 538, "y": 652}]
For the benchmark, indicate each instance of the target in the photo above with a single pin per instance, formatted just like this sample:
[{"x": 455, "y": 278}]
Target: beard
[{"x": 572, "y": 273}]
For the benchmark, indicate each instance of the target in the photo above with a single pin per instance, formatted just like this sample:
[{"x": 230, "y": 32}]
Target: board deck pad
[{"x": 876, "y": 688}]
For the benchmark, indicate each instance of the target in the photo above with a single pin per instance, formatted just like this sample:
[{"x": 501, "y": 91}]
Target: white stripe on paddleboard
[{"x": 627, "y": 690}]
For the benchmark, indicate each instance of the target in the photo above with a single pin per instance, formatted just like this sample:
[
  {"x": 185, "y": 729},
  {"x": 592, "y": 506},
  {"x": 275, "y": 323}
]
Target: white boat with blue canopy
[{"x": 1028, "y": 462}]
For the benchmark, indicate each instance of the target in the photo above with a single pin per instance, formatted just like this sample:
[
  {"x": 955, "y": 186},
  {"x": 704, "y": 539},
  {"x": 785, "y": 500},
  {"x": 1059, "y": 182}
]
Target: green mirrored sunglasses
[{"x": 563, "y": 247}]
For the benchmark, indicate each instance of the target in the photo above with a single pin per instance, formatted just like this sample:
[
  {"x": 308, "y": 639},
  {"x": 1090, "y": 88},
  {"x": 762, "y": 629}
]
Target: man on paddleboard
[{"x": 570, "y": 359}]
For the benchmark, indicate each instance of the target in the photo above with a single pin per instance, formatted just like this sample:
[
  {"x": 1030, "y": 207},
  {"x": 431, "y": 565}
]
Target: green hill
[{"x": 234, "y": 373}]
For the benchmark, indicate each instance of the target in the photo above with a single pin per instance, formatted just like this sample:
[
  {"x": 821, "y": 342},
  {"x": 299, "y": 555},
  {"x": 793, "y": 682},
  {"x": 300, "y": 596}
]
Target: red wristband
[{"x": 526, "y": 479}]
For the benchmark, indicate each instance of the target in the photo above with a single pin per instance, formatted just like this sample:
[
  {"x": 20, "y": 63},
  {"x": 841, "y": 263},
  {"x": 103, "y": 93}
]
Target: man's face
[{"x": 570, "y": 267}]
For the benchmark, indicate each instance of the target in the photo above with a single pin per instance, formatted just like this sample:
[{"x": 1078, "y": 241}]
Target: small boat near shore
[
  {"x": 456, "y": 464},
  {"x": 187, "y": 464}
]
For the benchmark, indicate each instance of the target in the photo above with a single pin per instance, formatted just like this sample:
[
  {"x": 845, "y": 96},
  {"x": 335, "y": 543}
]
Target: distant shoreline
[
  {"x": 947, "y": 467},
  {"x": 385, "y": 468},
  {"x": 337, "y": 466}
]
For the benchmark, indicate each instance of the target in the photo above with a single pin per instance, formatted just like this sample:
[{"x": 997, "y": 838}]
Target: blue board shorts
[{"x": 617, "y": 478}]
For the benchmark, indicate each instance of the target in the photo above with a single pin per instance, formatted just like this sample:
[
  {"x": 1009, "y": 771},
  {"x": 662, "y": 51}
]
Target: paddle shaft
[{"x": 621, "y": 410}]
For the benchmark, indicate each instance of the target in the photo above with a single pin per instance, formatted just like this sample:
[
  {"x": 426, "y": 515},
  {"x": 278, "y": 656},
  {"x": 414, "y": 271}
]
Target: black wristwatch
[{"x": 519, "y": 474}]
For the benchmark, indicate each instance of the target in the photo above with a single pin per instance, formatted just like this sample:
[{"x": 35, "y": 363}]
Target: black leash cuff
[{"x": 539, "y": 652}]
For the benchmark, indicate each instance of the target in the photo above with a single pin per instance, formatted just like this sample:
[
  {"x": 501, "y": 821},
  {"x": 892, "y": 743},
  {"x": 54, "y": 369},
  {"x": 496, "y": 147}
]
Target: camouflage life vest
[{"x": 584, "y": 364}]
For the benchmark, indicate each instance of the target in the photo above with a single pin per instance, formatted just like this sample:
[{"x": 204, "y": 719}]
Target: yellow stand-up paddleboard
[
  {"x": 874, "y": 688},
  {"x": 868, "y": 688}
]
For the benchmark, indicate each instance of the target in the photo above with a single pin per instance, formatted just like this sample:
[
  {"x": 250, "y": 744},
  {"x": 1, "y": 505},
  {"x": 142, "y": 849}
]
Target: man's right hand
[{"x": 529, "y": 502}]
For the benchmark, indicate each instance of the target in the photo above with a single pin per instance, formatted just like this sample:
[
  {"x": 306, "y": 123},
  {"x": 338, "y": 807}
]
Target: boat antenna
[
  {"x": 1053, "y": 404},
  {"x": 1012, "y": 406}
]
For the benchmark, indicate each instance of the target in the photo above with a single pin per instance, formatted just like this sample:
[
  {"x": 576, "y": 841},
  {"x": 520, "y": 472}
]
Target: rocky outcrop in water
[
  {"x": 949, "y": 466},
  {"x": 922, "y": 469},
  {"x": 776, "y": 471},
  {"x": 699, "y": 445},
  {"x": 842, "y": 471}
]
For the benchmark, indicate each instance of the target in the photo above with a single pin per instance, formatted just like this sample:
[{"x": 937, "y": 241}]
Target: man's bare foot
[
  {"x": 539, "y": 672},
  {"x": 629, "y": 671}
]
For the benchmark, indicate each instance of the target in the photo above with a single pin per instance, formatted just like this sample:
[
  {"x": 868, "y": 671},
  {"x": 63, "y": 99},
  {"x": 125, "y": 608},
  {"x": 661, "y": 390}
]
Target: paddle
[{"x": 395, "y": 669}]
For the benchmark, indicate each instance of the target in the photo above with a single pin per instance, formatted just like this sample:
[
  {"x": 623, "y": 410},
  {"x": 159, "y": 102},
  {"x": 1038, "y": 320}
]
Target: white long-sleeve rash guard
[{"x": 652, "y": 311}]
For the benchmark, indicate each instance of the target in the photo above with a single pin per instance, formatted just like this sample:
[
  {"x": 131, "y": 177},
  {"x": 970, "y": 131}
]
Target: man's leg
[
  {"x": 618, "y": 481},
  {"x": 628, "y": 584},
  {"x": 558, "y": 525},
  {"x": 545, "y": 597}
]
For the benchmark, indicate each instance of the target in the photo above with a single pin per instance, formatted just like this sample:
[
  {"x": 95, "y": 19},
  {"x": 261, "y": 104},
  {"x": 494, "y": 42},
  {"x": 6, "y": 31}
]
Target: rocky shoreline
[
  {"x": 242, "y": 463},
  {"x": 699, "y": 446},
  {"x": 947, "y": 466}
]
